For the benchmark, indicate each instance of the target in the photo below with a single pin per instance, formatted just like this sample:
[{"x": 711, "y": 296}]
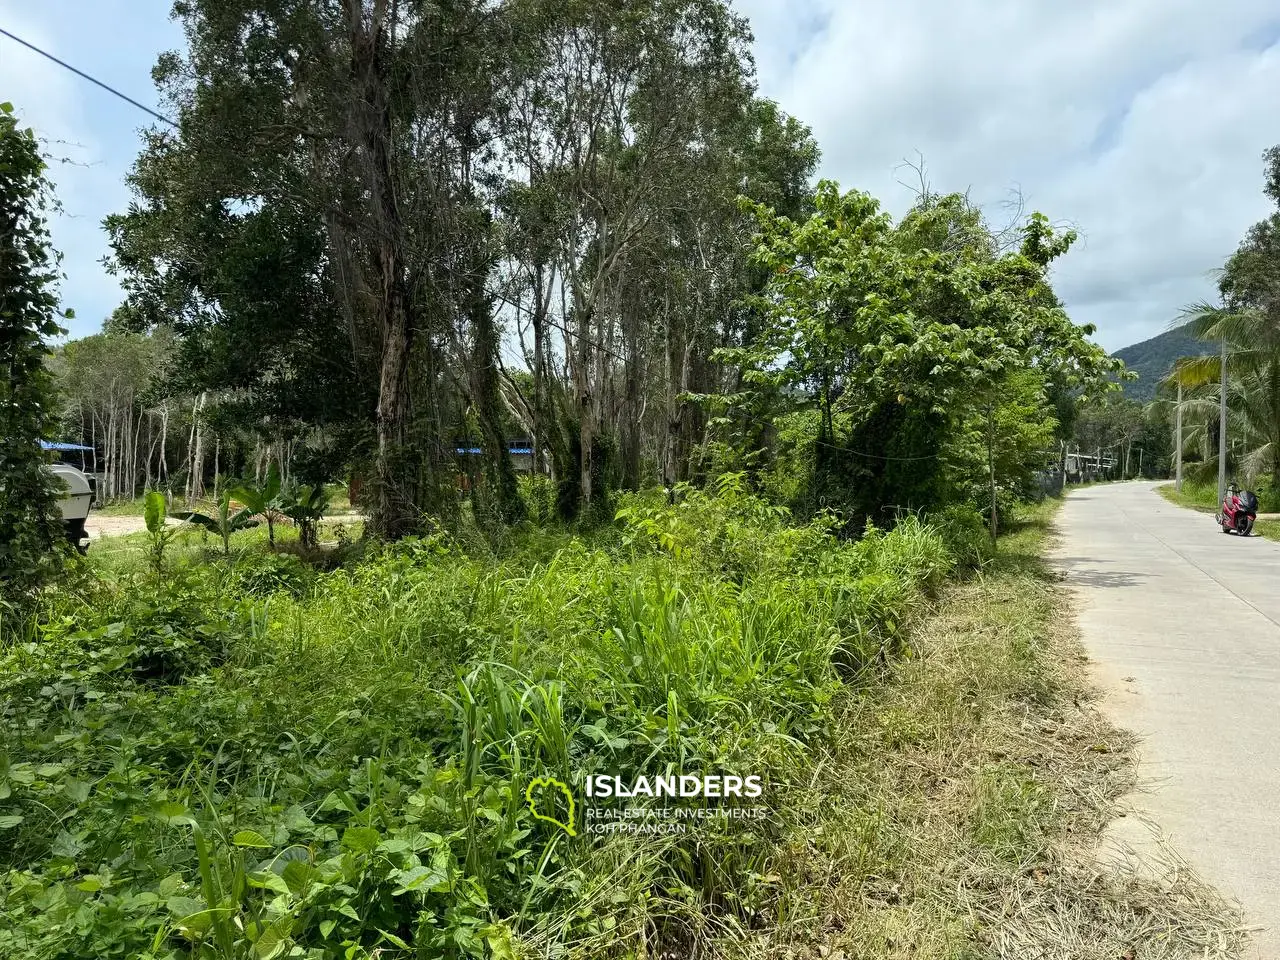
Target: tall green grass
[{"x": 337, "y": 767}]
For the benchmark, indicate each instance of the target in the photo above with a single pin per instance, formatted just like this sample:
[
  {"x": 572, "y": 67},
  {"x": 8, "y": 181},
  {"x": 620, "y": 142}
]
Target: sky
[{"x": 1139, "y": 123}]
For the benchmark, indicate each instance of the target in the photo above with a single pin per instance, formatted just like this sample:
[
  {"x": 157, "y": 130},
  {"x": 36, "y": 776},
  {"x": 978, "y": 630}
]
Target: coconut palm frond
[
  {"x": 1258, "y": 461},
  {"x": 1203, "y": 319},
  {"x": 1194, "y": 372}
]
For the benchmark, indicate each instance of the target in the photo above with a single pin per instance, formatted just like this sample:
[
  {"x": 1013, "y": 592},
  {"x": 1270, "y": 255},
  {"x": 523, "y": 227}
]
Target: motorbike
[{"x": 1239, "y": 511}]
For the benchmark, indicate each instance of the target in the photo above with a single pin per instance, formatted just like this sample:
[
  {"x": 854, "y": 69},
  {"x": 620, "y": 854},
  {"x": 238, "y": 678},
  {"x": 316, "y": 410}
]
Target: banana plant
[
  {"x": 158, "y": 534},
  {"x": 305, "y": 505},
  {"x": 224, "y": 523},
  {"x": 262, "y": 499}
]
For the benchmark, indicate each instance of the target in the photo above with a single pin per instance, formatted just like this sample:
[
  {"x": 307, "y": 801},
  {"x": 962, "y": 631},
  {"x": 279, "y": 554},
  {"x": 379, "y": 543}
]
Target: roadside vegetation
[
  {"x": 244, "y": 755},
  {"x": 226, "y": 755},
  {"x": 960, "y": 812},
  {"x": 1245, "y": 325},
  {"x": 659, "y": 459},
  {"x": 1203, "y": 497},
  {"x": 1194, "y": 496}
]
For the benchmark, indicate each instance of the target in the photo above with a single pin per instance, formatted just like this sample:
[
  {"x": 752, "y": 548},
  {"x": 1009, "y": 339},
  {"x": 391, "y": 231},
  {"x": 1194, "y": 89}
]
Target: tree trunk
[
  {"x": 991, "y": 470},
  {"x": 396, "y": 510},
  {"x": 501, "y": 475}
]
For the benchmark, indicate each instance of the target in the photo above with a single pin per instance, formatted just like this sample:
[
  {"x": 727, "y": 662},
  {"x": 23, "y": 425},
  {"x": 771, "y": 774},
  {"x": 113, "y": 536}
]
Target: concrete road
[{"x": 1183, "y": 625}]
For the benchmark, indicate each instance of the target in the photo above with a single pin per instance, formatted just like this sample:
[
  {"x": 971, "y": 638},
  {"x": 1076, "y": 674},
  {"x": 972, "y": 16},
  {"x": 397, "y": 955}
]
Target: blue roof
[{"x": 61, "y": 447}]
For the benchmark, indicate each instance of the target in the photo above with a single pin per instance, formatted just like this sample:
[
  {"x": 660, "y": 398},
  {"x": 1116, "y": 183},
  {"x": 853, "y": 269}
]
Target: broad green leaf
[
  {"x": 252, "y": 839},
  {"x": 417, "y": 878},
  {"x": 10, "y": 821},
  {"x": 174, "y": 813},
  {"x": 361, "y": 839},
  {"x": 298, "y": 876},
  {"x": 274, "y": 939},
  {"x": 153, "y": 511},
  {"x": 268, "y": 880},
  {"x": 396, "y": 940}
]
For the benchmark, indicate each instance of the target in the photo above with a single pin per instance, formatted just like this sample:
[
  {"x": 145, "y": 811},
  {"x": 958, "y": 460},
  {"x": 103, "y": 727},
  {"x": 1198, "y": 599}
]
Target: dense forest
[{"x": 1153, "y": 360}]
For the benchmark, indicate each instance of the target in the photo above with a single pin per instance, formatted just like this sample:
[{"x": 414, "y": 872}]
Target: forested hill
[{"x": 1154, "y": 358}]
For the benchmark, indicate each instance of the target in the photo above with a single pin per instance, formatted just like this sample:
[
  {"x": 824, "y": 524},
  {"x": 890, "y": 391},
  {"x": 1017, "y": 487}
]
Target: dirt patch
[{"x": 101, "y": 525}]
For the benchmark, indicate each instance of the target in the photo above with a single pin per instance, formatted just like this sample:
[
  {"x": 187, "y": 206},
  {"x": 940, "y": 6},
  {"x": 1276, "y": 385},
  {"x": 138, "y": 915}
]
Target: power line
[{"x": 81, "y": 73}]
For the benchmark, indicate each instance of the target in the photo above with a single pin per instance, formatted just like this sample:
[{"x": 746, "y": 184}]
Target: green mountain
[{"x": 1154, "y": 358}]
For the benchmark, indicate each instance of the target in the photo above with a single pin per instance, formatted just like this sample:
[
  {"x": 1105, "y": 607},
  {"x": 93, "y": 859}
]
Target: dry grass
[{"x": 960, "y": 814}]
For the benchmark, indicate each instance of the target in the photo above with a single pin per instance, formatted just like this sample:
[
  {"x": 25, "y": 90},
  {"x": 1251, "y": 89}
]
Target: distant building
[{"x": 520, "y": 451}]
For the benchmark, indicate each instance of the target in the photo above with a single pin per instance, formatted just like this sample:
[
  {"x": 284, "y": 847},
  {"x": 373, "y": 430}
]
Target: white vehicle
[{"x": 77, "y": 495}]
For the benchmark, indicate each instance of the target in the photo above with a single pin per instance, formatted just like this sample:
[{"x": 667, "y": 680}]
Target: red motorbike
[{"x": 1239, "y": 511}]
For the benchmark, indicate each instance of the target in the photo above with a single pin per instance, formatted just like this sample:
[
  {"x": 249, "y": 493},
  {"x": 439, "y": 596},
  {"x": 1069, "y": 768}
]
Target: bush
[
  {"x": 263, "y": 574},
  {"x": 965, "y": 532},
  {"x": 539, "y": 496}
]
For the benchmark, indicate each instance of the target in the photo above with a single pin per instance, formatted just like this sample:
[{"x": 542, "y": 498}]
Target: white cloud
[{"x": 1141, "y": 122}]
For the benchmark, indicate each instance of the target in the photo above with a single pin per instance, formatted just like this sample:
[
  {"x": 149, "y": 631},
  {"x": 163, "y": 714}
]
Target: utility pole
[
  {"x": 1222, "y": 429},
  {"x": 1177, "y": 443}
]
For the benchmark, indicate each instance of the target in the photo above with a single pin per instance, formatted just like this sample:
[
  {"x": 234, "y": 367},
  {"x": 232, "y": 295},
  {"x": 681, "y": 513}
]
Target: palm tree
[{"x": 1252, "y": 338}]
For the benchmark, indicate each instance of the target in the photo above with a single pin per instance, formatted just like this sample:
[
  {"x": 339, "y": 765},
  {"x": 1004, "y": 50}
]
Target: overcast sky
[{"x": 1139, "y": 122}]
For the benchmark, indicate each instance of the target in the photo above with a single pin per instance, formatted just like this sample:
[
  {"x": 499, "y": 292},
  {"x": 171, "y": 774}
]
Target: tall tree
[
  {"x": 1248, "y": 322},
  {"x": 28, "y": 319}
]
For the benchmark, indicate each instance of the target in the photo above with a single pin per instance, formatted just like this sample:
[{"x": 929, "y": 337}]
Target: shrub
[
  {"x": 539, "y": 496},
  {"x": 965, "y": 532},
  {"x": 263, "y": 574}
]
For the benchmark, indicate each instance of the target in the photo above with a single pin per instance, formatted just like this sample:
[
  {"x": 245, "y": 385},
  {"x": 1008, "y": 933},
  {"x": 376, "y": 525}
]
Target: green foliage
[
  {"x": 262, "y": 498},
  {"x": 226, "y": 521},
  {"x": 305, "y": 505},
  {"x": 1152, "y": 360},
  {"x": 29, "y": 528},
  {"x": 539, "y": 496},
  {"x": 263, "y": 762},
  {"x": 898, "y": 336},
  {"x": 158, "y": 532},
  {"x": 261, "y": 575},
  {"x": 1248, "y": 326},
  {"x": 964, "y": 532}
]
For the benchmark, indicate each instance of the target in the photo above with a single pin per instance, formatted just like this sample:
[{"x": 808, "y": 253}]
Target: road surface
[{"x": 1183, "y": 626}]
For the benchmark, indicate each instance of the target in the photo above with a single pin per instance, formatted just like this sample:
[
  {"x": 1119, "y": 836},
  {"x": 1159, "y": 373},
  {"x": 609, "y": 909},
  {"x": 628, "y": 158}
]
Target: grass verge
[
  {"x": 247, "y": 756},
  {"x": 959, "y": 815},
  {"x": 1194, "y": 496}
]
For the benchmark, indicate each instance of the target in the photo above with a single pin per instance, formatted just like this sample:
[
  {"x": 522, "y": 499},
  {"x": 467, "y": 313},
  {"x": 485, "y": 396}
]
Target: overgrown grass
[
  {"x": 957, "y": 815},
  {"x": 251, "y": 757},
  {"x": 254, "y": 758}
]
